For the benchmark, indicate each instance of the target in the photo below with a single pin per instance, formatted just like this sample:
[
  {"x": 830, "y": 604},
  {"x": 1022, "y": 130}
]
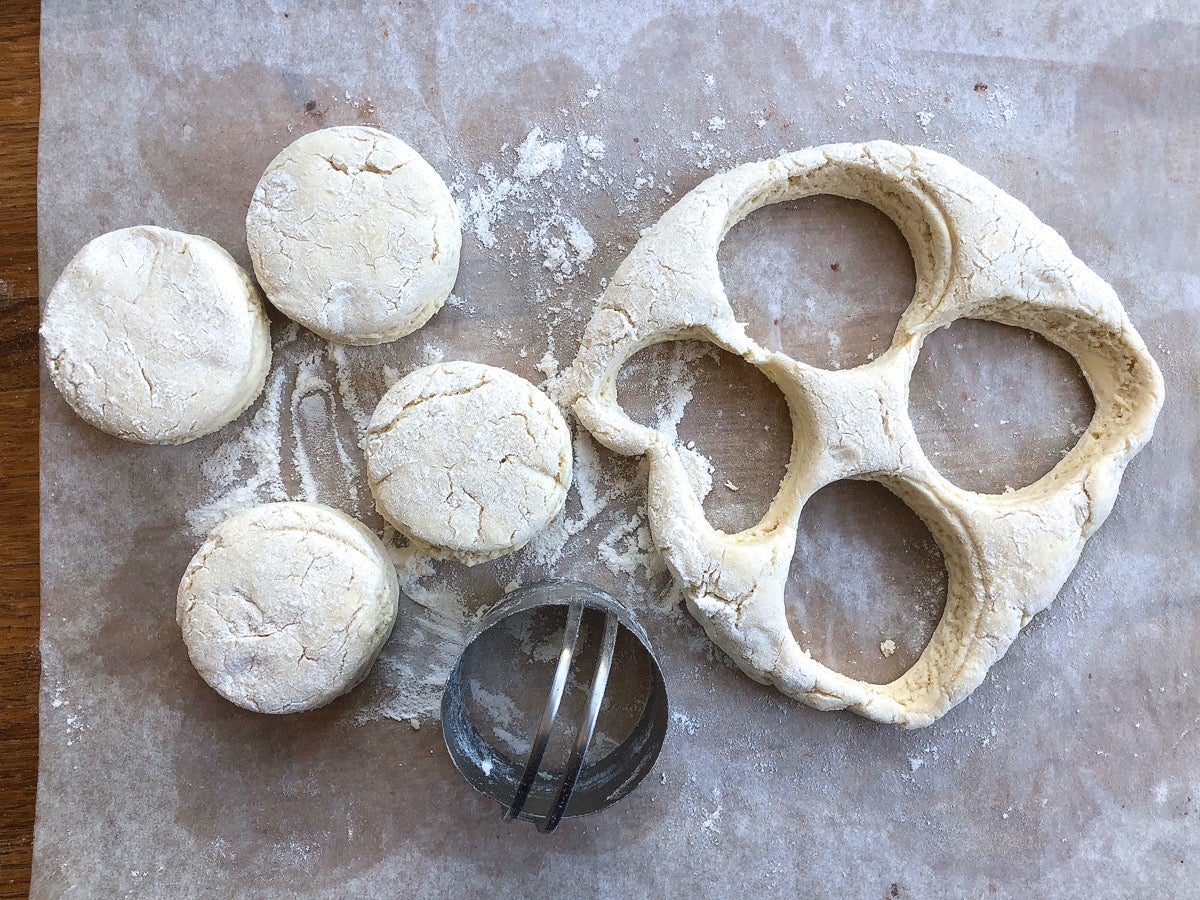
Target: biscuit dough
[
  {"x": 156, "y": 336},
  {"x": 354, "y": 235},
  {"x": 468, "y": 459},
  {"x": 286, "y": 606},
  {"x": 978, "y": 253}
]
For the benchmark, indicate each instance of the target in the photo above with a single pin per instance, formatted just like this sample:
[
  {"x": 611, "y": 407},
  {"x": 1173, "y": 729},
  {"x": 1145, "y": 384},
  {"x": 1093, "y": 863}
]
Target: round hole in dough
[
  {"x": 286, "y": 606},
  {"x": 354, "y": 235},
  {"x": 469, "y": 459},
  {"x": 156, "y": 336}
]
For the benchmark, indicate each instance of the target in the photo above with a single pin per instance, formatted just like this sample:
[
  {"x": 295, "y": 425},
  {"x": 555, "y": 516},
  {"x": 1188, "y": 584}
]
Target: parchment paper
[{"x": 1072, "y": 771}]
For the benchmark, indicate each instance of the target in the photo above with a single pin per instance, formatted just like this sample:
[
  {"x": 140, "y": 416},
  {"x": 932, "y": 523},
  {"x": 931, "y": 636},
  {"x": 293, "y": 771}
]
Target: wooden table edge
[{"x": 19, "y": 372}]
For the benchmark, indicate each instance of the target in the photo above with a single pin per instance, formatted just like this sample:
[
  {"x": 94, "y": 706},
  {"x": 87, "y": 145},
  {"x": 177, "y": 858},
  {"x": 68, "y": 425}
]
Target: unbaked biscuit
[
  {"x": 156, "y": 336},
  {"x": 286, "y": 606},
  {"x": 354, "y": 235},
  {"x": 468, "y": 459}
]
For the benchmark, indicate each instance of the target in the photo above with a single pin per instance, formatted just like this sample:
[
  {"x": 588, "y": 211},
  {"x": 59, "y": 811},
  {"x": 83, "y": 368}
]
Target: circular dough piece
[
  {"x": 156, "y": 336},
  {"x": 469, "y": 459},
  {"x": 286, "y": 606},
  {"x": 354, "y": 235}
]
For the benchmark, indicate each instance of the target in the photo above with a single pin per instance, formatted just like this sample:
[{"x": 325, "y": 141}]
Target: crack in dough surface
[
  {"x": 156, "y": 336},
  {"x": 286, "y": 606},
  {"x": 469, "y": 459},
  {"x": 354, "y": 235}
]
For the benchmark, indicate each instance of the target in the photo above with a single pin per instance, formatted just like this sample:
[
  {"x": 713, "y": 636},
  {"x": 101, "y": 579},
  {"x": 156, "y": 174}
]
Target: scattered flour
[
  {"x": 711, "y": 824},
  {"x": 344, "y": 380},
  {"x": 431, "y": 631},
  {"x": 391, "y": 375},
  {"x": 685, "y": 722},
  {"x": 536, "y": 157},
  {"x": 505, "y": 715},
  {"x": 548, "y": 365},
  {"x": 485, "y": 205},
  {"x": 564, "y": 245},
  {"x": 293, "y": 448},
  {"x": 247, "y": 470},
  {"x": 591, "y": 146},
  {"x": 558, "y": 239},
  {"x": 303, "y": 441},
  {"x": 431, "y": 355}
]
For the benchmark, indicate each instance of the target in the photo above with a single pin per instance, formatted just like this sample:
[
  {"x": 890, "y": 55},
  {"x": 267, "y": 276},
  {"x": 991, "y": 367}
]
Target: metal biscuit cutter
[{"x": 534, "y": 788}]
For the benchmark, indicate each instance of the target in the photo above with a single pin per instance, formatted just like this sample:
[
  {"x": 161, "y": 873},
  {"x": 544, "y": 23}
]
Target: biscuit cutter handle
[
  {"x": 584, "y": 738},
  {"x": 587, "y": 728}
]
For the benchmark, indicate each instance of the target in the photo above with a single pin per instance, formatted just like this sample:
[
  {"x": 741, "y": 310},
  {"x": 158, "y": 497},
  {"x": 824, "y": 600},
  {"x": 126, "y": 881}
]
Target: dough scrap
[
  {"x": 286, "y": 606},
  {"x": 468, "y": 459},
  {"x": 354, "y": 235},
  {"x": 978, "y": 253},
  {"x": 156, "y": 336}
]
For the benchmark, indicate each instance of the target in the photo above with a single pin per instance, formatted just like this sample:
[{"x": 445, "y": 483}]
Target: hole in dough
[
  {"x": 729, "y": 420},
  {"x": 823, "y": 279},
  {"x": 865, "y": 572},
  {"x": 996, "y": 406}
]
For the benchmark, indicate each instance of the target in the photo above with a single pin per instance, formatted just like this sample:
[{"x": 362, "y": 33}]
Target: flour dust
[{"x": 532, "y": 206}]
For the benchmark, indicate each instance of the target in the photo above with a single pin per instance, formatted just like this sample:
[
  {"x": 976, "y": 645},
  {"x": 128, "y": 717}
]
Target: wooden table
[{"x": 18, "y": 441}]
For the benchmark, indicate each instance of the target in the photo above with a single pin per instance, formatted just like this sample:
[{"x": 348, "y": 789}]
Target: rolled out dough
[
  {"x": 978, "y": 253},
  {"x": 469, "y": 459},
  {"x": 286, "y": 606},
  {"x": 156, "y": 336},
  {"x": 354, "y": 235}
]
